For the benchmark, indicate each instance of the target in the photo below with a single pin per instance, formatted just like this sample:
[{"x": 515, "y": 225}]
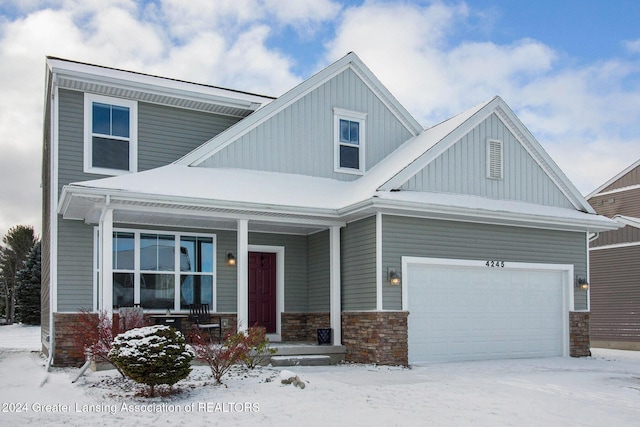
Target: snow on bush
[{"x": 152, "y": 355}]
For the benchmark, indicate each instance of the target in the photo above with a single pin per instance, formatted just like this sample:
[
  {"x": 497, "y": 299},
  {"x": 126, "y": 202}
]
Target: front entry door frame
[{"x": 279, "y": 251}]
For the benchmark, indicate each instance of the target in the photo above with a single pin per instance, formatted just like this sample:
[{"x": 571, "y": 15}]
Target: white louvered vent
[{"x": 494, "y": 159}]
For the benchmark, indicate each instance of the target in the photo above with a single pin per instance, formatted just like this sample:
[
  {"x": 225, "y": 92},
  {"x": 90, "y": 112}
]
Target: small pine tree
[
  {"x": 152, "y": 355},
  {"x": 28, "y": 289}
]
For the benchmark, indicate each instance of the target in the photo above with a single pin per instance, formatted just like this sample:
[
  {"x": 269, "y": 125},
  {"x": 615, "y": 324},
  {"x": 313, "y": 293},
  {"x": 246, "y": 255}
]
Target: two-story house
[
  {"x": 330, "y": 206},
  {"x": 615, "y": 263}
]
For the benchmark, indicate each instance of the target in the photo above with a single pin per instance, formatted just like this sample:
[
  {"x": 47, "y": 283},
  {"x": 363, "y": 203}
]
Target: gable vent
[{"x": 494, "y": 159}]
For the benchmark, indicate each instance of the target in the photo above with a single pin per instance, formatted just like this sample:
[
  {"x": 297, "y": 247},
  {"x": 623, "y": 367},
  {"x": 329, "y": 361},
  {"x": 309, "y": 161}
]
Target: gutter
[
  {"x": 454, "y": 213},
  {"x": 584, "y": 222}
]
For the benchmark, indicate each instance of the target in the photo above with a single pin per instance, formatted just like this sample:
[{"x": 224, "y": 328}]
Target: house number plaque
[{"x": 495, "y": 264}]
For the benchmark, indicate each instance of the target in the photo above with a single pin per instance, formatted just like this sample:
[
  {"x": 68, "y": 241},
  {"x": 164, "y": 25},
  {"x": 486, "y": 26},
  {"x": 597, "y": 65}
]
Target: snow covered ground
[{"x": 595, "y": 391}]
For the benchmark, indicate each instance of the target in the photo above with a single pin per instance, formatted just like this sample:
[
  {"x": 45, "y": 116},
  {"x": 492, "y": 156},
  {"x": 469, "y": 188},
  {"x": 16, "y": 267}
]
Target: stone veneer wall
[
  {"x": 580, "y": 343},
  {"x": 376, "y": 337},
  {"x": 67, "y": 355},
  {"x": 303, "y": 326}
]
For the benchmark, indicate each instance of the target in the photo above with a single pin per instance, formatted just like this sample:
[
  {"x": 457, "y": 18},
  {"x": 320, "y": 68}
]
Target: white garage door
[{"x": 466, "y": 310}]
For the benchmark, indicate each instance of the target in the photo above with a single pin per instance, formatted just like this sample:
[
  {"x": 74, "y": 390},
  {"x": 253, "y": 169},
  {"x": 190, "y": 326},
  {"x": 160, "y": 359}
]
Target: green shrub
[{"x": 152, "y": 355}]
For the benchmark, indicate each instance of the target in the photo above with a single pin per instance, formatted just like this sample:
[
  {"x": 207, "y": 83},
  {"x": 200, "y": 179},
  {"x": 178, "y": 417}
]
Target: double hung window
[
  {"x": 110, "y": 144},
  {"x": 349, "y": 141}
]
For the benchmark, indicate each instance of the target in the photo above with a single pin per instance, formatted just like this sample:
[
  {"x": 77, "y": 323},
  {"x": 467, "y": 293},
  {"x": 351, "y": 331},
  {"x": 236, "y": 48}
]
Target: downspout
[{"x": 53, "y": 219}]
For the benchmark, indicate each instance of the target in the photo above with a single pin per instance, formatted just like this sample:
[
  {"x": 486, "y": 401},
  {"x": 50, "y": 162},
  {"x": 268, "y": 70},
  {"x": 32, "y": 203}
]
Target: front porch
[{"x": 306, "y": 354}]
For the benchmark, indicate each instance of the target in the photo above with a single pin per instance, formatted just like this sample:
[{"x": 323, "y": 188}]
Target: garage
[{"x": 476, "y": 310}]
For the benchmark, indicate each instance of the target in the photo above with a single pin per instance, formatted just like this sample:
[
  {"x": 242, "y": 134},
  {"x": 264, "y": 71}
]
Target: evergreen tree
[
  {"x": 28, "y": 289},
  {"x": 17, "y": 244}
]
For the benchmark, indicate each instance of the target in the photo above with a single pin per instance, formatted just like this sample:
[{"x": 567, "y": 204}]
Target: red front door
[{"x": 262, "y": 290}]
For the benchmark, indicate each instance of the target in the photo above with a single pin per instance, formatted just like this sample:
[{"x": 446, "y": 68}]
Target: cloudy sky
[{"x": 570, "y": 69}]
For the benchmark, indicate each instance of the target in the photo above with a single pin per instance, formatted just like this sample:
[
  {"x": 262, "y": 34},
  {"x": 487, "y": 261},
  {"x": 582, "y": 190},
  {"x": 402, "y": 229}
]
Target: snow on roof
[
  {"x": 492, "y": 208},
  {"x": 230, "y": 185}
]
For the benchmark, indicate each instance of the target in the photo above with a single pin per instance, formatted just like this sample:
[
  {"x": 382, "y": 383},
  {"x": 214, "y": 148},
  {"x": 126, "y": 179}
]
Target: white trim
[
  {"x": 124, "y": 80},
  {"x": 242, "y": 274},
  {"x": 53, "y": 214},
  {"x": 615, "y": 246},
  {"x": 586, "y": 241},
  {"x": 379, "y": 272},
  {"x": 615, "y": 191},
  {"x": 177, "y": 273},
  {"x": 625, "y": 171},
  {"x": 95, "y": 271},
  {"x": 335, "y": 308},
  {"x": 89, "y": 99},
  {"x": 352, "y": 116},
  {"x": 627, "y": 220},
  {"x": 565, "y": 269},
  {"x": 280, "y": 284},
  {"x": 106, "y": 261}
]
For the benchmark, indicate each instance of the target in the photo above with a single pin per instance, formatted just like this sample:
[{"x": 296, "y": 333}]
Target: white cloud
[
  {"x": 632, "y": 46},
  {"x": 570, "y": 109},
  {"x": 585, "y": 116}
]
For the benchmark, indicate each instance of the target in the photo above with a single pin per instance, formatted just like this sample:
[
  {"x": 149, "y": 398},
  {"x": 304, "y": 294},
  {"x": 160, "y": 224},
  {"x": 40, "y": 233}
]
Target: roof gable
[
  {"x": 628, "y": 178},
  {"x": 349, "y": 63},
  {"x": 439, "y": 157}
]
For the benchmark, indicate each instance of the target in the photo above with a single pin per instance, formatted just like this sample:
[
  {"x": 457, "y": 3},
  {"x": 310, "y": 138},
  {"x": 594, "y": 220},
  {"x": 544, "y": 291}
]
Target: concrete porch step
[{"x": 305, "y": 360}]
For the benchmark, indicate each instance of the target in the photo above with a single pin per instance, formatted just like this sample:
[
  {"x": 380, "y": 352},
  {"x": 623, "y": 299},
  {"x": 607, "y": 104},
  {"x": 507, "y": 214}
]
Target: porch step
[{"x": 307, "y": 360}]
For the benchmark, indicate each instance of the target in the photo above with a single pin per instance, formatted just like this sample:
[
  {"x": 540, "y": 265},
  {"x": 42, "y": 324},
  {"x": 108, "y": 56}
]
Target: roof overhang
[
  {"x": 452, "y": 207},
  {"x": 627, "y": 220},
  {"x": 87, "y": 203},
  {"x": 153, "y": 89}
]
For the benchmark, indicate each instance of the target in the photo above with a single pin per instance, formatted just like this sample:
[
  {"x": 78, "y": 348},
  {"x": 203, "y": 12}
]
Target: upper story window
[
  {"x": 349, "y": 141},
  {"x": 111, "y": 135}
]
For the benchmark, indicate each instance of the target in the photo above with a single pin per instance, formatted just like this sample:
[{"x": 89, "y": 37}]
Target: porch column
[
  {"x": 106, "y": 262},
  {"x": 335, "y": 310},
  {"x": 242, "y": 269}
]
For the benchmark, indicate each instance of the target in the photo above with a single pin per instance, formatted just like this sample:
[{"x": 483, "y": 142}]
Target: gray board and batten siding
[
  {"x": 462, "y": 169},
  {"x": 164, "y": 135},
  {"x": 406, "y": 236},
  {"x": 299, "y": 139}
]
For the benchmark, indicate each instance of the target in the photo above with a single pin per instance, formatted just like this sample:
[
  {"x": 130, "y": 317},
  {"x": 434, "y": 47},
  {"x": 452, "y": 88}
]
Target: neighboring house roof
[
  {"x": 628, "y": 220},
  {"x": 349, "y": 61},
  {"x": 153, "y": 89},
  {"x": 613, "y": 180}
]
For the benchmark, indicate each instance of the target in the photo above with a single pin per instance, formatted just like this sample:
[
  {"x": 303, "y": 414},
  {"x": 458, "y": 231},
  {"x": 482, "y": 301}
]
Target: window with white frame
[
  {"x": 162, "y": 270},
  {"x": 349, "y": 141},
  {"x": 110, "y": 139}
]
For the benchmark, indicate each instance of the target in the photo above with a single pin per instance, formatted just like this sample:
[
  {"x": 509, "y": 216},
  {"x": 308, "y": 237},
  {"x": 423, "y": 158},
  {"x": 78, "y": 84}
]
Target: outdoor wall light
[
  {"x": 393, "y": 276},
  {"x": 231, "y": 260},
  {"x": 582, "y": 283}
]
